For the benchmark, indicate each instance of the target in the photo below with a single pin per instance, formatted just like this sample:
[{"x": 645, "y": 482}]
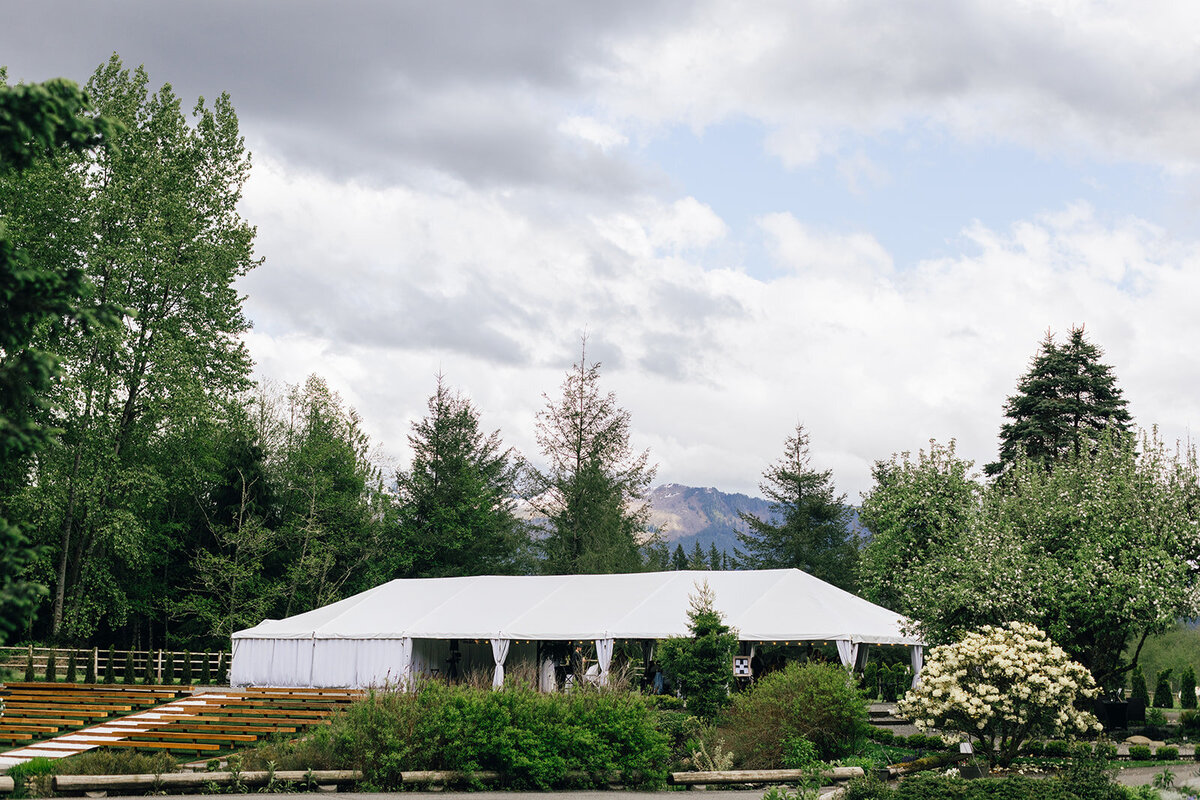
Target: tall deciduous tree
[
  {"x": 38, "y": 122},
  {"x": 592, "y": 492},
  {"x": 1063, "y": 405},
  {"x": 457, "y": 501},
  {"x": 813, "y": 529},
  {"x": 153, "y": 222}
]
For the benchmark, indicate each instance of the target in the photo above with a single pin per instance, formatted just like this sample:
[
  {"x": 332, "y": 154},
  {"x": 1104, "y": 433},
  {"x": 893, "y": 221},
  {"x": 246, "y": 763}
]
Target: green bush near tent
[{"x": 532, "y": 739}]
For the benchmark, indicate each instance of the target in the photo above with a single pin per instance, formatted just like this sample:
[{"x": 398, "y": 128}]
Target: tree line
[{"x": 151, "y": 493}]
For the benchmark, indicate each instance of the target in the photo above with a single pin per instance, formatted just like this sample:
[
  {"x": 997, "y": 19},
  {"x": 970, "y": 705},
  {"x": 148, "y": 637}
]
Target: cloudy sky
[{"x": 860, "y": 216}]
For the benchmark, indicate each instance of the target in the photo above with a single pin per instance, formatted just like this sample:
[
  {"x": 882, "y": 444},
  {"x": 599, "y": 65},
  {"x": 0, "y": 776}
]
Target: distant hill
[{"x": 688, "y": 514}]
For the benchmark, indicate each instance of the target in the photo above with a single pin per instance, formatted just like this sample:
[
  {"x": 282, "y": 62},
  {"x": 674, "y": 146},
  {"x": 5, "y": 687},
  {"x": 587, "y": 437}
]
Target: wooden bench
[
  {"x": 6, "y": 727},
  {"x": 68, "y": 706},
  {"x": 42, "y": 711},
  {"x": 28, "y": 719},
  {"x": 194, "y": 747},
  {"x": 187, "y": 736}
]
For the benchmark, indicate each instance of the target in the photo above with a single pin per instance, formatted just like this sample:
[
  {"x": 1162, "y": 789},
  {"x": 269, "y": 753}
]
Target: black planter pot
[{"x": 1114, "y": 715}]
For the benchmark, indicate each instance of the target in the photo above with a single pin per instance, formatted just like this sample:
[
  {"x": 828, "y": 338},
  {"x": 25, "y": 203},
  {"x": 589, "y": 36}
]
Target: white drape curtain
[
  {"x": 918, "y": 661},
  {"x": 847, "y": 652},
  {"x": 499, "y": 653},
  {"x": 272, "y": 662},
  {"x": 547, "y": 681},
  {"x": 604, "y": 654}
]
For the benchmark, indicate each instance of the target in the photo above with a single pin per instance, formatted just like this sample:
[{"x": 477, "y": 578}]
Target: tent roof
[{"x": 761, "y": 605}]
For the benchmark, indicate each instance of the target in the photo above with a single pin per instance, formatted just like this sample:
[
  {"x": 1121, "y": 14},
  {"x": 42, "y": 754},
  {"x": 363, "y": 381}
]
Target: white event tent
[{"x": 406, "y": 627}]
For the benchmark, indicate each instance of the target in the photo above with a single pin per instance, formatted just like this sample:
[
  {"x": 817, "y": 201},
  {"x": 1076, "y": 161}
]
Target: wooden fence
[{"x": 16, "y": 659}]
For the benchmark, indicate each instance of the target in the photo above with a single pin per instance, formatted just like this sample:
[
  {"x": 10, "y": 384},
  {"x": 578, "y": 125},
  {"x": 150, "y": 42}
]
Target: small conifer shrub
[
  {"x": 186, "y": 679},
  {"x": 110, "y": 673},
  {"x": 1187, "y": 688},
  {"x": 72, "y": 666},
  {"x": 128, "y": 676},
  {"x": 168, "y": 676},
  {"x": 52, "y": 666},
  {"x": 1137, "y": 687},
  {"x": 1163, "y": 696}
]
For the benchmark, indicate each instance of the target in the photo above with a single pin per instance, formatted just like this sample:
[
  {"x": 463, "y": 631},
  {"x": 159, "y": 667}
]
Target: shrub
[
  {"x": 1163, "y": 696},
  {"x": 89, "y": 672},
  {"x": 32, "y": 778},
  {"x": 186, "y": 678},
  {"x": 1187, "y": 688},
  {"x": 1137, "y": 687},
  {"x": 818, "y": 702},
  {"x": 1000, "y": 686},
  {"x": 870, "y": 680},
  {"x": 168, "y": 676},
  {"x": 105, "y": 761},
  {"x": 1140, "y": 752},
  {"x": 1167, "y": 753},
  {"x": 1189, "y": 722},
  {"x": 206, "y": 669},
  {"x": 701, "y": 666},
  {"x": 1106, "y": 750},
  {"x": 30, "y": 675},
  {"x": 72, "y": 666},
  {"x": 532, "y": 739},
  {"x": 1056, "y": 748},
  {"x": 109, "y": 677},
  {"x": 1034, "y": 747},
  {"x": 222, "y": 669},
  {"x": 52, "y": 666},
  {"x": 127, "y": 674},
  {"x": 149, "y": 674}
]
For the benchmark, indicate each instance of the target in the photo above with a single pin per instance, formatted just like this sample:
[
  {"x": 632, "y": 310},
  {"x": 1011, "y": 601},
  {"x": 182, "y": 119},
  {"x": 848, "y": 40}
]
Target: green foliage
[
  {"x": 1088, "y": 779},
  {"x": 1167, "y": 753},
  {"x": 591, "y": 491},
  {"x": 817, "y": 702},
  {"x": 1187, "y": 688},
  {"x": 812, "y": 534},
  {"x": 30, "y": 675},
  {"x": 89, "y": 672},
  {"x": 531, "y": 738},
  {"x": 109, "y": 668},
  {"x": 800, "y": 753},
  {"x": 1140, "y": 752},
  {"x": 52, "y": 667},
  {"x": 456, "y": 514},
  {"x": 1163, "y": 696},
  {"x": 149, "y": 673},
  {"x": 113, "y": 761},
  {"x": 206, "y": 670},
  {"x": 72, "y": 666},
  {"x": 186, "y": 674},
  {"x": 919, "y": 510},
  {"x": 128, "y": 674},
  {"x": 1137, "y": 686},
  {"x": 223, "y": 669},
  {"x": 31, "y": 778},
  {"x": 1063, "y": 407},
  {"x": 701, "y": 666},
  {"x": 168, "y": 676},
  {"x": 37, "y": 121}
]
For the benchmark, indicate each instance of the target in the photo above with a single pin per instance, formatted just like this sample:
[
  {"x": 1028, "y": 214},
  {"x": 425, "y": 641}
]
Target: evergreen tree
[
  {"x": 186, "y": 677},
  {"x": 168, "y": 676},
  {"x": 696, "y": 559},
  {"x": 89, "y": 672},
  {"x": 30, "y": 675},
  {"x": 109, "y": 676},
  {"x": 52, "y": 666},
  {"x": 72, "y": 666},
  {"x": 149, "y": 675},
  {"x": 591, "y": 491},
  {"x": 714, "y": 557},
  {"x": 812, "y": 534},
  {"x": 1062, "y": 406},
  {"x": 679, "y": 558},
  {"x": 206, "y": 670},
  {"x": 1137, "y": 687},
  {"x": 1163, "y": 696},
  {"x": 1187, "y": 688},
  {"x": 457, "y": 500},
  {"x": 128, "y": 674},
  {"x": 701, "y": 666}
]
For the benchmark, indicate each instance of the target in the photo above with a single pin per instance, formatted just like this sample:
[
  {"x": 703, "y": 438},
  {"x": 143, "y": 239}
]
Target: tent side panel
[{"x": 271, "y": 662}]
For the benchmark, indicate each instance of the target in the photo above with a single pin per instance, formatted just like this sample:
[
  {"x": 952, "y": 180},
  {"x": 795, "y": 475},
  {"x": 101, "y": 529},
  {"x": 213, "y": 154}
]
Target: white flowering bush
[{"x": 1000, "y": 686}]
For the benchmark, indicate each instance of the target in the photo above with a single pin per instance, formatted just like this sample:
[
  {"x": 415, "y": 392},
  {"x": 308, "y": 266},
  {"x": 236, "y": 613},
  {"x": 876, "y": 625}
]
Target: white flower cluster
[{"x": 1002, "y": 685}]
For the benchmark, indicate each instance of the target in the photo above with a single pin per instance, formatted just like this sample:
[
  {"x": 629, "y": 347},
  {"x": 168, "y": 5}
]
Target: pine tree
[
  {"x": 30, "y": 675},
  {"x": 714, "y": 557},
  {"x": 1163, "y": 696},
  {"x": 206, "y": 669},
  {"x": 679, "y": 558},
  {"x": 591, "y": 491},
  {"x": 457, "y": 507},
  {"x": 149, "y": 675},
  {"x": 89, "y": 672},
  {"x": 1063, "y": 405},
  {"x": 128, "y": 675},
  {"x": 701, "y": 665},
  {"x": 109, "y": 676},
  {"x": 1187, "y": 688},
  {"x": 168, "y": 677},
  {"x": 696, "y": 559},
  {"x": 1137, "y": 687},
  {"x": 186, "y": 676},
  {"x": 72, "y": 666},
  {"x": 52, "y": 666},
  {"x": 812, "y": 534}
]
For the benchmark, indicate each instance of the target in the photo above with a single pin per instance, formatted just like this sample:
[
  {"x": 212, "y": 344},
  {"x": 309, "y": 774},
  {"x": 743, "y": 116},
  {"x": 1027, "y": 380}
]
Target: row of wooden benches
[{"x": 204, "y": 723}]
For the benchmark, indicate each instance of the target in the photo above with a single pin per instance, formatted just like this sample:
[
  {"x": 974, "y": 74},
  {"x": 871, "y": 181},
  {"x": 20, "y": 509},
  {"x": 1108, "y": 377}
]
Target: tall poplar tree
[
  {"x": 812, "y": 531},
  {"x": 457, "y": 500},
  {"x": 1063, "y": 405},
  {"x": 592, "y": 492}
]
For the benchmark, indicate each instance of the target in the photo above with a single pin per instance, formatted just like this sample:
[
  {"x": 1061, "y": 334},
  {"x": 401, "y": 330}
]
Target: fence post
[
  {"x": 159, "y": 670},
  {"x": 96, "y": 662}
]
